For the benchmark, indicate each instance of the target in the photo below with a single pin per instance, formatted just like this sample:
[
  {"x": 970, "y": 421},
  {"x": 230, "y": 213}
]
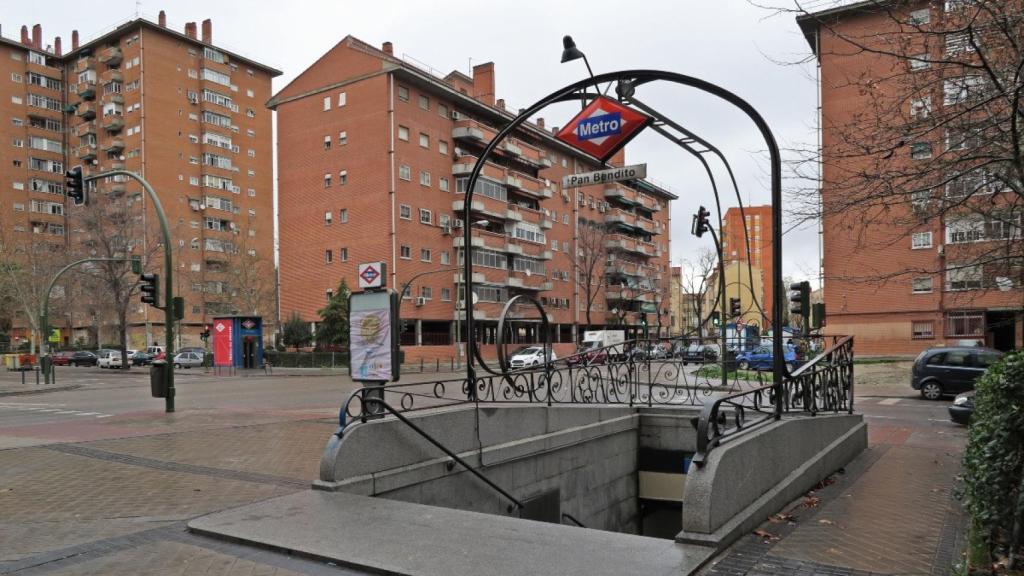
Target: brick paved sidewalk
[{"x": 891, "y": 511}]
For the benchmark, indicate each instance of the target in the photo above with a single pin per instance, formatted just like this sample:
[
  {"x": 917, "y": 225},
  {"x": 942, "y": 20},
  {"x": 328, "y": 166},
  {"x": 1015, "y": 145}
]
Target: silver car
[{"x": 188, "y": 360}]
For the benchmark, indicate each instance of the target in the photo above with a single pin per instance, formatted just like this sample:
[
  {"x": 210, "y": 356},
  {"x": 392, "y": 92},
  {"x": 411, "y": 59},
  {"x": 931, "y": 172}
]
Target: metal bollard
[
  {"x": 421, "y": 365},
  {"x": 437, "y": 364},
  {"x": 36, "y": 369},
  {"x": 22, "y": 377}
]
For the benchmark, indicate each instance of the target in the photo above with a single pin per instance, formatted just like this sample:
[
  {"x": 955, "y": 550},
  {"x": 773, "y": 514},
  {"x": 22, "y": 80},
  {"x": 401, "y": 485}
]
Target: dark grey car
[{"x": 941, "y": 371}]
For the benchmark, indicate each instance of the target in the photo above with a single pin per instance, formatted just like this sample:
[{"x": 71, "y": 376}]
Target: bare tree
[
  {"x": 590, "y": 261},
  {"x": 941, "y": 136},
  {"x": 28, "y": 262},
  {"x": 696, "y": 282}
]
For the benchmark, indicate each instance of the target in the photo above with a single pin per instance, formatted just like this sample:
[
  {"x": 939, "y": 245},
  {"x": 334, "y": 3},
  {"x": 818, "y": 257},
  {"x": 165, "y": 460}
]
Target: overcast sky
[{"x": 727, "y": 42}]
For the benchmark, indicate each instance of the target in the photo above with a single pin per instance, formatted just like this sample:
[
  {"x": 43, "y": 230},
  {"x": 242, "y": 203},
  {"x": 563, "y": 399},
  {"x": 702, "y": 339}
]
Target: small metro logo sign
[{"x": 603, "y": 127}]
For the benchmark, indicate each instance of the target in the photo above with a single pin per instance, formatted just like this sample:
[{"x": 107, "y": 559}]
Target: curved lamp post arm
[{"x": 168, "y": 307}]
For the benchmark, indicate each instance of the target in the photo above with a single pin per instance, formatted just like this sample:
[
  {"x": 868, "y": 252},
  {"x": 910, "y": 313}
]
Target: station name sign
[{"x": 634, "y": 172}]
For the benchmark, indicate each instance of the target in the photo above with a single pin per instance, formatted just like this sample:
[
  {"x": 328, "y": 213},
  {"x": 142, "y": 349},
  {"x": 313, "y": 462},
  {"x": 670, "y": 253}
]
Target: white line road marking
[
  {"x": 104, "y": 415},
  {"x": 889, "y": 401},
  {"x": 67, "y": 412},
  {"x": 89, "y": 413}
]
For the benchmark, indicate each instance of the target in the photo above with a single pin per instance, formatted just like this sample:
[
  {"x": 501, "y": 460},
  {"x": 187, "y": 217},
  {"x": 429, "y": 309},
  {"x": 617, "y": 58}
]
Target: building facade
[
  {"x": 742, "y": 282},
  {"x": 912, "y": 266},
  {"x": 756, "y": 221},
  {"x": 374, "y": 155},
  {"x": 166, "y": 104}
]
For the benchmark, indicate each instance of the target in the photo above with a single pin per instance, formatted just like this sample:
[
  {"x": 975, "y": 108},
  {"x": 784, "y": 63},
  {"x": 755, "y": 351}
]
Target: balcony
[
  {"x": 114, "y": 146},
  {"x": 481, "y": 239},
  {"x": 111, "y": 56},
  {"x": 86, "y": 152},
  {"x": 113, "y": 99},
  {"x": 523, "y": 214},
  {"x": 83, "y": 64},
  {"x": 111, "y": 76},
  {"x": 528, "y": 249},
  {"x": 472, "y": 131},
  {"x": 86, "y": 90},
  {"x": 113, "y": 123},
  {"x": 527, "y": 185},
  {"x": 484, "y": 205},
  {"x": 86, "y": 111},
  {"x": 648, "y": 226},
  {"x": 621, "y": 217},
  {"x": 532, "y": 282},
  {"x": 85, "y": 128},
  {"x": 464, "y": 166},
  {"x": 631, "y": 245},
  {"x": 633, "y": 294}
]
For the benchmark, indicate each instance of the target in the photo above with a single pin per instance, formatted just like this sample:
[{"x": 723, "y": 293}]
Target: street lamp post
[{"x": 168, "y": 307}]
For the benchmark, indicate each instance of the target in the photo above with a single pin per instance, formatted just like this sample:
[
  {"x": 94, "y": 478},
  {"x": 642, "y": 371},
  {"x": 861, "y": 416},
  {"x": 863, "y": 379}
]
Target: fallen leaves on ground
[
  {"x": 765, "y": 535},
  {"x": 781, "y": 517},
  {"x": 826, "y": 522},
  {"x": 811, "y": 502}
]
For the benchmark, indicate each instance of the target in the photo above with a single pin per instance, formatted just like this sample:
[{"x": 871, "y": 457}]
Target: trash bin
[
  {"x": 158, "y": 379},
  {"x": 730, "y": 361}
]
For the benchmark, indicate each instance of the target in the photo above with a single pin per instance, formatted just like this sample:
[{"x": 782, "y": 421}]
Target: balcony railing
[
  {"x": 111, "y": 75},
  {"x": 84, "y": 64},
  {"x": 86, "y": 90},
  {"x": 86, "y": 152},
  {"x": 85, "y": 129},
  {"x": 86, "y": 110},
  {"x": 111, "y": 56},
  {"x": 115, "y": 145},
  {"x": 113, "y": 123}
]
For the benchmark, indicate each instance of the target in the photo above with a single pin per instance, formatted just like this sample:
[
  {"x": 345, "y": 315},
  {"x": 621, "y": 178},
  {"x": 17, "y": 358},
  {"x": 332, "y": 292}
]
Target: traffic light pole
[
  {"x": 44, "y": 316},
  {"x": 168, "y": 306}
]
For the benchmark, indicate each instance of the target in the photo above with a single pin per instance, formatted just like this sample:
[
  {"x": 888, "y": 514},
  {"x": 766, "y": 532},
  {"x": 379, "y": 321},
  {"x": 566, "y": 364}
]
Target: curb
[{"x": 42, "y": 391}]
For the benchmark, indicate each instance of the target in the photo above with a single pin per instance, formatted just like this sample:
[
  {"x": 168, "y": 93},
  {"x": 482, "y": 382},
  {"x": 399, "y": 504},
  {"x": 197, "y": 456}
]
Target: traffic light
[
  {"x": 205, "y": 334},
  {"x": 734, "y": 307},
  {"x": 700, "y": 222},
  {"x": 75, "y": 184},
  {"x": 800, "y": 298},
  {"x": 150, "y": 289},
  {"x": 714, "y": 318},
  {"x": 818, "y": 315}
]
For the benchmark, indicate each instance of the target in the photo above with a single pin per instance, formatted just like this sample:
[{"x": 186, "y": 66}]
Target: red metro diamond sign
[{"x": 603, "y": 127}]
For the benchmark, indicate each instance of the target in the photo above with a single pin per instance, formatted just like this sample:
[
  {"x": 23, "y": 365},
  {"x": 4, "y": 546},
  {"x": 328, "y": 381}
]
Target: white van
[{"x": 109, "y": 359}]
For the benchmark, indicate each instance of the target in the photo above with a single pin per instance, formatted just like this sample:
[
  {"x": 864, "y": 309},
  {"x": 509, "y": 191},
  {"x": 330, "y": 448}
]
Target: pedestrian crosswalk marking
[
  {"x": 45, "y": 409},
  {"x": 889, "y": 401}
]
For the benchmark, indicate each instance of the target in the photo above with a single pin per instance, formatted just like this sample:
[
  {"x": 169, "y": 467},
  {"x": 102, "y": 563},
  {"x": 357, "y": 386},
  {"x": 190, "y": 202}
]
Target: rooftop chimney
[
  {"x": 74, "y": 40},
  {"x": 56, "y": 46},
  {"x": 483, "y": 83},
  {"x": 540, "y": 123},
  {"x": 37, "y": 36},
  {"x": 24, "y": 36},
  {"x": 190, "y": 30},
  {"x": 388, "y": 49},
  {"x": 208, "y": 31},
  {"x": 162, "y": 19},
  {"x": 500, "y": 104}
]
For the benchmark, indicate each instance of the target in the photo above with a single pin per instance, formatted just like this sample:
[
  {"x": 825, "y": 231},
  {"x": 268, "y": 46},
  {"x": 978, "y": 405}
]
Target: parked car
[
  {"x": 962, "y": 408},
  {"x": 109, "y": 359},
  {"x": 588, "y": 354},
  {"x": 188, "y": 360},
  {"x": 154, "y": 350},
  {"x": 131, "y": 354},
  {"x": 196, "y": 349},
  {"x": 653, "y": 351},
  {"x": 84, "y": 358},
  {"x": 530, "y": 357},
  {"x": 698, "y": 353},
  {"x": 950, "y": 370},
  {"x": 142, "y": 359},
  {"x": 761, "y": 358},
  {"x": 61, "y": 358}
]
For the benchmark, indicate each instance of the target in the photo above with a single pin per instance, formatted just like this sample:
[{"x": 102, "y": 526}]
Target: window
[
  {"x": 554, "y": 245},
  {"x": 922, "y": 329},
  {"x": 405, "y": 252},
  {"x": 446, "y": 294},
  {"x": 403, "y": 133},
  {"x": 445, "y": 257},
  {"x": 343, "y": 215},
  {"x": 424, "y": 102},
  {"x": 921, "y": 240},
  {"x": 920, "y": 150},
  {"x": 921, "y": 108},
  {"x": 425, "y": 255},
  {"x": 442, "y": 110},
  {"x": 328, "y": 218},
  {"x": 486, "y": 258},
  {"x": 249, "y": 92},
  {"x": 529, "y": 232},
  {"x": 327, "y": 103},
  {"x": 403, "y": 93},
  {"x": 973, "y": 182},
  {"x": 442, "y": 146},
  {"x": 963, "y": 323},
  {"x": 922, "y": 284},
  {"x": 919, "y": 17},
  {"x": 958, "y": 42},
  {"x": 424, "y": 178},
  {"x": 328, "y": 256},
  {"x": 962, "y": 139},
  {"x": 424, "y": 140},
  {"x": 963, "y": 277},
  {"x": 957, "y": 90},
  {"x": 442, "y": 183},
  {"x": 405, "y": 212},
  {"x": 327, "y": 180},
  {"x": 342, "y": 138},
  {"x": 964, "y": 230},
  {"x": 216, "y": 77},
  {"x": 484, "y": 187},
  {"x": 425, "y": 216},
  {"x": 343, "y": 255},
  {"x": 342, "y": 99},
  {"x": 342, "y": 177},
  {"x": 327, "y": 142},
  {"x": 404, "y": 172},
  {"x": 15, "y": 77}
]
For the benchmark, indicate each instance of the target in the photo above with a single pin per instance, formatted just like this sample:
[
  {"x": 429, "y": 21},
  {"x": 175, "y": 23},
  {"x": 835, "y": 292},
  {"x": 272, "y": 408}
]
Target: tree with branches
[
  {"x": 27, "y": 265},
  {"x": 696, "y": 278},
  {"x": 589, "y": 263},
  {"x": 937, "y": 143}
]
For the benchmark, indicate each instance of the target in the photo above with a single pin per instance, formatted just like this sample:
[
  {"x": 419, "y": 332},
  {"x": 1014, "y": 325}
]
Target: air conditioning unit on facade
[
  {"x": 457, "y": 223},
  {"x": 420, "y": 301},
  {"x": 193, "y": 99},
  {"x": 459, "y": 152},
  {"x": 456, "y": 115}
]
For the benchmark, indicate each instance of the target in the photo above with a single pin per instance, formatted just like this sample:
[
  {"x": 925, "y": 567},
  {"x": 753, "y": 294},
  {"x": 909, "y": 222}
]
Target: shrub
[{"x": 994, "y": 463}]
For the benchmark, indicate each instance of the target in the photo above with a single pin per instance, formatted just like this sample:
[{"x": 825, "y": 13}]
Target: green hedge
[
  {"x": 306, "y": 359},
  {"x": 994, "y": 464}
]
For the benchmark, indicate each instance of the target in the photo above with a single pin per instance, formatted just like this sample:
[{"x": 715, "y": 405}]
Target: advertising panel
[
  {"x": 372, "y": 337},
  {"x": 223, "y": 342}
]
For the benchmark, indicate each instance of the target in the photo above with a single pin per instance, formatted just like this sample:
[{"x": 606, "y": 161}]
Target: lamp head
[{"x": 569, "y": 50}]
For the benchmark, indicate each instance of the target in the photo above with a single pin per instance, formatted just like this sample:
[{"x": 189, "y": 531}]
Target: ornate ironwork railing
[
  {"x": 824, "y": 384},
  {"x": 683, "y": 373}
]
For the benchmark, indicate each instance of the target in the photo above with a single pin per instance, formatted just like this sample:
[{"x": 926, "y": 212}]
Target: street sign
[
  {"x": 372, "y": 275},
  {"x": 603, "y": 127},
  {"x": 634, "y": 172},
  {"x": 54, "y": 336}
]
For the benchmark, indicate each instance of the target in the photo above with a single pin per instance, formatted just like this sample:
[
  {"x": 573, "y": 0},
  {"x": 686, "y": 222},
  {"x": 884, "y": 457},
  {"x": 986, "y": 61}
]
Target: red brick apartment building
[
  {"x": 168, "y": 104},
  {"x": 373, "y": 156},
  {"x": 758, "y": 223},
  {"x": 905, "y": 271}
]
